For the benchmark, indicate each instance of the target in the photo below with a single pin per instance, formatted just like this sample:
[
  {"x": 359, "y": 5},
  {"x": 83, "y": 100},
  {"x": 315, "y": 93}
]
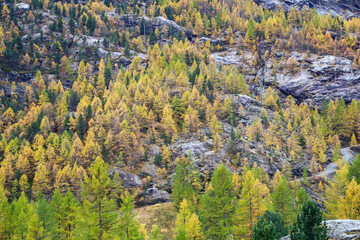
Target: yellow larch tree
[{"x": 253, "y": 203}]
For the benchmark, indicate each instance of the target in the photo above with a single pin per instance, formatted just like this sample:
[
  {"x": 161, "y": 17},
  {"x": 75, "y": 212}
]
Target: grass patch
[{"x": 163, "y": 215}]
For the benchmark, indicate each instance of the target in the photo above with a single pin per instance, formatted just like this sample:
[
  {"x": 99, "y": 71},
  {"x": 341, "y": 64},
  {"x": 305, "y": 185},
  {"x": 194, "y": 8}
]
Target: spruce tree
[
  {"x": 308, "y": 225},
  {"x": 270, "y": 226},
  {"x": 80, "y": 127}
]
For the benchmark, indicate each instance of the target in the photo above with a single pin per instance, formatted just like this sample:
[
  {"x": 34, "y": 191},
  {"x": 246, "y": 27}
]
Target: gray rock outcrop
[
  {"x": 152, "y": 23},
  {"x": 343, "y": 8},
  {"x": 317, "y": 78},
  {"x": 154, "y": 196},
  {"x": 128, "y": 179},
  {"x": 344, "y": 229}
]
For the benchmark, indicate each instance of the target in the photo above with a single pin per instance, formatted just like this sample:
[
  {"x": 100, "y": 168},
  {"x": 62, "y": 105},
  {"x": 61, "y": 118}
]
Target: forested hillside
[{"x": 210, "y": 119}]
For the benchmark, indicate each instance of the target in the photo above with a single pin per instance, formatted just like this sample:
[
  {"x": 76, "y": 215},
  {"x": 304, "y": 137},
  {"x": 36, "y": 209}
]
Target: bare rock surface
[
  {"x": 128, "y": 179},
  {"x": 152, "y": 23},
  {"x": 343, "y": 8},
  {"x": 315, "y": 79}
]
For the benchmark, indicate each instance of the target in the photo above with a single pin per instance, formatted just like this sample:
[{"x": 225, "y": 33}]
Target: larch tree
[
  {"x": 23, "y": 212},
  {"x": 335, "y": 191},
  {"x": 67, "y": 214},
  {"x": 349, "y": 206},
  {"x": 282, "y": 199},
  {"x": 128, "y": 224},
  {"x": 253, "y": 203},
  {"x": 218, "y": 205},
  {"x": 100, "y": 211},
  {"x": 5, "y": 215},
  {"x": 354, "y": 170},
  {"x": 187, "y": 223},
  {"x": 41, "y": 180},
  {"x": 168, "y": 122},
  {"x": 182, "y": 187}
]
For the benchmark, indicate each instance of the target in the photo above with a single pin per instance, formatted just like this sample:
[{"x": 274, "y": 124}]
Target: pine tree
[
  {"x": 193, "y": 228},
  {"x": 35, "y": 228},
  {"x": 168, "y": 122},
  {"x": 308, "y": 224},
  {"x": 108, "y": 71},
  {"x": 320, "y": 187},
  {"x": 338, "y": 123},
  {"x": 217, "y": 205},
  {"x": 188, "y": 225},
  {"x": 178, "y": 110},
  {"x": 305, "y": 177}
]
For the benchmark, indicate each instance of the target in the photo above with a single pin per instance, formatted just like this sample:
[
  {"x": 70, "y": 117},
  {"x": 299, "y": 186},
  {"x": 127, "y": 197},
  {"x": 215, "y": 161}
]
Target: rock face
[
  {"x": 128, "y": 179},
  {"x": 151, "y": 24},
  {"x": 317, "y": 78},
  {"x": 344, "y": 8},
  {"x": 343, "y": 229}
]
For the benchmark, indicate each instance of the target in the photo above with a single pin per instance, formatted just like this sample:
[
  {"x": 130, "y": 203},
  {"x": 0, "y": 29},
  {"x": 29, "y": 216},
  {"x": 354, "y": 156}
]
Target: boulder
[
  {"x": 154, "y": 196},
  {"x": 343, "y": 229}
]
